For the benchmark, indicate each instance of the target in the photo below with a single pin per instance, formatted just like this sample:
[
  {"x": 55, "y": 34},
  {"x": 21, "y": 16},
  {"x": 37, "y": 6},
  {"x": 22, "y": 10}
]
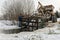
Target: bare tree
[{"x": 14, "y": 8}]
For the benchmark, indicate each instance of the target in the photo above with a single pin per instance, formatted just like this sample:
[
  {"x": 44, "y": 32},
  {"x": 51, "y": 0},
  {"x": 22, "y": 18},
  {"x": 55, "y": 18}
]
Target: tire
[
  {"x": 57, "y": 14},
  {"x": 54, "y": 19}
]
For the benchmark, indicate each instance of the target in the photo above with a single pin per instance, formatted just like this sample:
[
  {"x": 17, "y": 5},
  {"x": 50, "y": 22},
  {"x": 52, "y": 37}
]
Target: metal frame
[{"x": 34, "y": 23}]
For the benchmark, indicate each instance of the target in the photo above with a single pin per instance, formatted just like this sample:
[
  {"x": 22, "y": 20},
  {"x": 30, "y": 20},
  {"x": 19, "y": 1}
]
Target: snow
[
  {"x": 47, "y": 33},
  {"x": 58, "y": 19},
  {"x": 5, "y": 25}
]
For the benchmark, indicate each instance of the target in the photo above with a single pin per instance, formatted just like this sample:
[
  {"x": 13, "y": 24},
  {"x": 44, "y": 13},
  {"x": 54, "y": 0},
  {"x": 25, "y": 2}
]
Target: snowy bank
[{"x": 47, "y": 33}]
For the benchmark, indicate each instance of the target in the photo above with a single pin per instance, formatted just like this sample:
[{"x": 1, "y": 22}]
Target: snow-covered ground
[
  {"x": 5, "y": 25},
  {"x": 47, "y": 33}
]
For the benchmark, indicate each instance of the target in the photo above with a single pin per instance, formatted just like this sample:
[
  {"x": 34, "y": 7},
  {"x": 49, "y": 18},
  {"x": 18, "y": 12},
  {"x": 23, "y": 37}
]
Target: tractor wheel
[{"x": 54, "y": 19}]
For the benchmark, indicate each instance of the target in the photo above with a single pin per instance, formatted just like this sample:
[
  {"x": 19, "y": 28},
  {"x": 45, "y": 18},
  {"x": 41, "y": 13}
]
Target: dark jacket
[{"x": 20, "y": 18}]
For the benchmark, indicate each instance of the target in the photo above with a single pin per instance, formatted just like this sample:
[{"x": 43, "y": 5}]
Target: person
[{"x": 20, "y": 21}]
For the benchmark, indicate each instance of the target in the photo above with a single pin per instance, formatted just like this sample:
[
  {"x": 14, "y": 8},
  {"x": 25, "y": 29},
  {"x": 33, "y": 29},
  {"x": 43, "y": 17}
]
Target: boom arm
[{"x": 40, "y": 4}]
